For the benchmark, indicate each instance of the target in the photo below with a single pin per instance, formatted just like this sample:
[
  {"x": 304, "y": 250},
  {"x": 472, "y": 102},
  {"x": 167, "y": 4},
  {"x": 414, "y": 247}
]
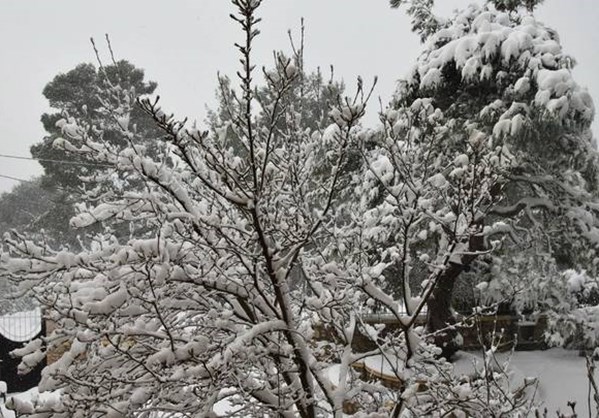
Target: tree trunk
[{"x": 440, "y": 318}]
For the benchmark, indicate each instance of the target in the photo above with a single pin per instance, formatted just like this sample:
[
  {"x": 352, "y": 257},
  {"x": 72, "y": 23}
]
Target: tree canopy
[
  {"x": 500, "y": 93},
  {"x": 86, "y": 93}
]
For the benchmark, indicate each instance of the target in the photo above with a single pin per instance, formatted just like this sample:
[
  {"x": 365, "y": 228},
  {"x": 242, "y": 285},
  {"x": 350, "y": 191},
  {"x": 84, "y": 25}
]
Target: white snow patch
[
  {"x": 25, "y": 398},
  {"x": 562, "y": 375}
]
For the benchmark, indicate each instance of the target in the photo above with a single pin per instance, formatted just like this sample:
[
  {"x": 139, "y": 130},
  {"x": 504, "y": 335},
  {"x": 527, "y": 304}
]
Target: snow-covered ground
[{"x": 562, "y": 376}]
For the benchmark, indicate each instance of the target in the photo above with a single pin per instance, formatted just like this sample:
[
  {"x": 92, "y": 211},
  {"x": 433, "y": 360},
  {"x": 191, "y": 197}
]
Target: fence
[{"x": 15, "y": 330}]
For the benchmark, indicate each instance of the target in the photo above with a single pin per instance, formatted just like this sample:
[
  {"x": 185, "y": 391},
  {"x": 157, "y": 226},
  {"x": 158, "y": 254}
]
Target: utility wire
[
  {"x": 18, "y": 157},
  {"x": 15, "y": 179},
  {"x": 55, "y": 187}
]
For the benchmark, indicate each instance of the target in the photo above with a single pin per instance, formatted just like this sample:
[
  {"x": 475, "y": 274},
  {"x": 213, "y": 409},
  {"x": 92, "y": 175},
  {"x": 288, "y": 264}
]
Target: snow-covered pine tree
[
  {"x": 500, "y": 91},
  {"x": 85, "y": 93}
]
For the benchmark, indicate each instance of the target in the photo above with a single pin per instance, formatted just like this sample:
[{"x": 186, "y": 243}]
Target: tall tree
[
  {"x": 501, "y": 84},
  {"x": 87, "y": 93}
]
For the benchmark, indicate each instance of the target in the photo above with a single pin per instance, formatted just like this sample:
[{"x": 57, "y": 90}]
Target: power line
[
  {"x": 18, "y": 157},
  {"x": 15, "y": 179},
  {"x": 55, "y": 187}
]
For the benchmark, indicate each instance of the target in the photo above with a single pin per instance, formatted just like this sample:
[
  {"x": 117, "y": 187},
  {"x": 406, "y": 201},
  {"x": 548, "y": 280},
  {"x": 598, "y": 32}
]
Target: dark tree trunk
[{"x": 440, "y": 320}]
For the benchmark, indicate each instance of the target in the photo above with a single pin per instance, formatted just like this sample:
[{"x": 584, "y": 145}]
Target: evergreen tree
[
  {"x": 87, "y": 93},
  {"x": 504, "y": 91}
]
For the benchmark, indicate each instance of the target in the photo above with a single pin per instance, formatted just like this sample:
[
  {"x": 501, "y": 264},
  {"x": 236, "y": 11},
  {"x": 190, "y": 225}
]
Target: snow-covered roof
[{"x": 21, "y": 326}]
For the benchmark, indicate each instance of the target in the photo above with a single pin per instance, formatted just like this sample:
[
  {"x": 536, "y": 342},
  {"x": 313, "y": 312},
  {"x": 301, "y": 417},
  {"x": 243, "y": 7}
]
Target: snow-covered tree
[
  {"x": 246, "y": 258},
  {"x": 84, "y": 93},
  {"x": 89, "y": 93},
  {"x": 250, "y": 281},
  {"x": 501, "y": 102}
]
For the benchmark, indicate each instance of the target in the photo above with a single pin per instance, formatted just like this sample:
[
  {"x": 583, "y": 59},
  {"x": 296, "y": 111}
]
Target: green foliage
[
  {"x": 88, "y": 94},
  {"x": 509, "y": 5},
  {"x": 424, "y": 22},
  {"x": 313, "y": 96},
  {"x": 314, "y": 106},
  {"x": 85, "y": 93}
]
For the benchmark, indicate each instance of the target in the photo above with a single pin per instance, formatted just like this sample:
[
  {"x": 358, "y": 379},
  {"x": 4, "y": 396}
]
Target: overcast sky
[{"x": 182, "y": 44}]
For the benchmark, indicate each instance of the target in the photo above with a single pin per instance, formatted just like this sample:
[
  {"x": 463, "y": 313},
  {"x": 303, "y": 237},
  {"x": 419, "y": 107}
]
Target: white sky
[{"x": 182, "y": 44}]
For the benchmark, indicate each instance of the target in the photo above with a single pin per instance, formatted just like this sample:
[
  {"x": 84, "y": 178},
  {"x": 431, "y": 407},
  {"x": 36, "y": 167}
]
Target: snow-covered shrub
[{"x": 574, "y": 312}]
